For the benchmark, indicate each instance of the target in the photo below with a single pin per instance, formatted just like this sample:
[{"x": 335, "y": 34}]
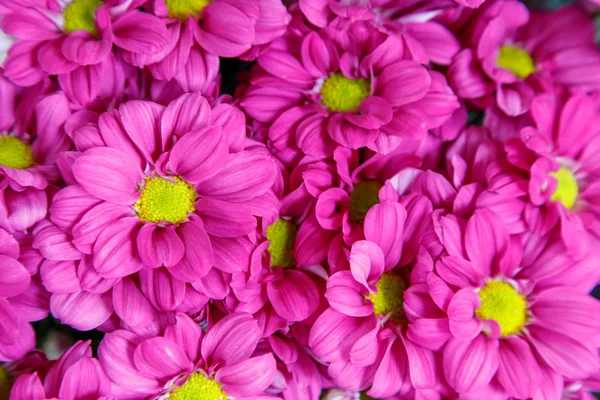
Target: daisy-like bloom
[
  {"x": 553, "y": 171},
  {"x": 75, "y": 375},
  {"x": 22, "y": 298},
  {"x": 411, "y": 21},
  {"x": 511, "y": 313},
  {"x": 63, "y": 37},
  {"x": 316, "y": 93},
  {"x": 166, "y": 192},
  {"x": 513, "y": 53},
  {"x": 363, "y": 334},
  {"x": 31, "y": 140},
  {"x": 186, "y": 363},
  {"x": 201, "y": 31}
]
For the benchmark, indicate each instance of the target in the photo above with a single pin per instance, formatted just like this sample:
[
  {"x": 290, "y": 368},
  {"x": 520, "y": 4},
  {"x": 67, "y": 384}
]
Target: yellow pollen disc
[
  {"x": 364, "y": 196},
  {"x": 344, "y": 94},
  {"x": 516, "y": 60},
  {"x": 282, "y": 235},
  {"x": 79, "y": 16},
  {"x": 166, "y": 200},
  {"x": 501, "y": 302},
  {"x": 567, "y": 189},
  {"x": 198, "y": 387},
  {"x": 183, "y": 9},
  {"x": 14, "y": 153},
  {"x": 389, "y": 297}
]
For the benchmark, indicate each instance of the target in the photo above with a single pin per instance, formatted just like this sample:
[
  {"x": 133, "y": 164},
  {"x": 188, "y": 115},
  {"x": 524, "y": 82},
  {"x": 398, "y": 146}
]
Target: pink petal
[
  {"x": 461, "y": 313},
  {"x": 198, "y": 258},
  {"x": 216, "y": 284},
  {"x": 160, "y": 358},
  {"x": 312, "y": 243},
  {"x": 115, "y": 251},
  {"x": 82, "y": 310},
  {"x": 403, "y": 82},
  {"x": 295, "y": 297},
  {"x": 161, "y": 289},
  {"x": 27, "y": 386},
  {"x": 330, "y": 208},
  {"x": 248, "y": 377},
  {"x": 109, "y": 175},
  {"x": 84, "y": 379},
  {"x": 187, "y": 335},
  {"x": 159, "y": 246},
  {"x": 25, "y": 208},
  {"x": 188, "y": 113},
  {"x": 346, "y": 295},
  {"x": 141, "y": 122},
  {"x": 225, "y": 38},
  {"x": 518, "y": 371},
  {"x": 93, "y": 222},
  {"x": 60, "y": 276},
  {"x": 54, "y": 244},
  {"x": 470, "y": 364},
  {"x": 366, "y": 262},
  {"x": 485, "y": 240},
  {"x": 14, "y": 278},
  {"x": 231, "y": 340},
  {"x": 392, "y": 373},
  {"x": 459, "y": 272},
  {"x": 225, "y": 219},
  {"x": 130, "y": 304},
  {"x": 140, "y": 32},
  {"x": 384, "y": 226},
  {"x": 69, "y": 205}
]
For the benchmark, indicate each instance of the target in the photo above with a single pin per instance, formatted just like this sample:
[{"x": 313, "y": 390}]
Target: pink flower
[
  {"x": 75, "y": 375},
  {"x": 31, "y": 140},
  {"x": 553, "y": 171},
  {"x": 216, "y": 364},
  {"x": 513, "y": 54},
  {"x": 316, "y": 90},
  {"x": 62, "y": 38},
  {"x": 201, "y": 31},
  {"x": 164, "y": 193},
  {"x": 506, "y": 311},
  {"x": 22, "y": 298},
  {"x": 411, "y": 21}
]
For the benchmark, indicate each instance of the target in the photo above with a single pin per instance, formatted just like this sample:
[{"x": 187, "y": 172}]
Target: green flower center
[
  {"x": 364, "y": 196},
  {"x": 567, "y": 189},
  {"x": 14, "y": 153},
  {"x": 79, "y": 16},
  {"x": 165, "y": 200},
  {"x": 389, "y": 297},
  {"x": 183, "y": 9},
  {"x": 516, "y": 60},
  {"x": 501, "y": 302},
  {"x": 198, "y": 387},
  {"x": 344, "y": 94},
  {"x": 282, "y": 236},
  {"x": 5, "y": 384}
]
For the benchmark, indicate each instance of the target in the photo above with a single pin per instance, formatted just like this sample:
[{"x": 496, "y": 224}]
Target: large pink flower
[
  {"x": 201, "y": 31},
  {"x": 22, "y": 298},
  {"x": 513, "y": 53},
  {"x": 64, "y": 38},
  {"x": 509, "y": 313},
  {"x": 166, "y": 192},
  {"x": 75, "y": 375},
  {"x": 185, "y": 360},
  {"x": 553, "y": 174},
  {"x": 31, "y": 140},
  {"x": 317, "y": 90}
]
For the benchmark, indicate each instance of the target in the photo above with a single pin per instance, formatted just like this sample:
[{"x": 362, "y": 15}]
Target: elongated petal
[
  {"x": 159, "y": 246},
  {"x": 82, "y": 310},
  {"x": 366, "y": 262},
  {"x": 518, "y": 371},
  {"x": 198, "y": 257},
  {"x": 130, "y": 304},
  {"x": 231, "y": 340},
  {"x": 115, "y": 251},
  {"x": 14, "y": 278},
  {"x": 295, "y": 297},
  {"x": 346, "y": 295},
  {"x": 470, "y": 364},
  {"x": 160, "y": 358},
  {"x": 84, "y": 379},
  {"x": 187, "y": 335},
  {"x": 384, "y": 226},
  {"x": 27, "y": 386},
  {"x": 162, "y": 290},
  {"x": 248, "y": 377}
]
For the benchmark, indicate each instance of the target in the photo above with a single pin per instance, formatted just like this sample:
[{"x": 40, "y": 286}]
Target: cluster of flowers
[{"x": 401, "y": 200}]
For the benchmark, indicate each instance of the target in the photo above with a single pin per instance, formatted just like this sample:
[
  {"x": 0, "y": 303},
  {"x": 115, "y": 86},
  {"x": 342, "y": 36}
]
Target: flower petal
[
  {"x": 160, "y": 358},
  {"x": 231, "y": 340}
]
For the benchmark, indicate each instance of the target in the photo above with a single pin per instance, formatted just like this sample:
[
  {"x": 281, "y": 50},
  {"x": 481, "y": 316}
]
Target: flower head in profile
[
  {"x": 325, "y": 90},
  {"x": 186, "y": 361},
  {"x": 75, "y": 375},
  {"x": 513, "y": 309}
]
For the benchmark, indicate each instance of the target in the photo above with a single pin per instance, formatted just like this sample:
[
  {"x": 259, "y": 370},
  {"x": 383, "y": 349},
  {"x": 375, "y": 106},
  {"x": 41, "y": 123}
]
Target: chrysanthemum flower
[
  {"x": 186, "y": 361},
  {"x": 513, "y": 53},
  {"x": 30, "y": 143},
  {"x": 363, "y": 334},
  {"x": 75, "y": 375},
  {"x": 554, "y": 171},
  {"x": 315, "y": 93},
  {"x": 201, "y": 31},
  {"x": 410, "y": 21},
  {"x": 58, "y": 38},
  {"x": 166, "y": 192},
  {"x": 512, "y": 310}
]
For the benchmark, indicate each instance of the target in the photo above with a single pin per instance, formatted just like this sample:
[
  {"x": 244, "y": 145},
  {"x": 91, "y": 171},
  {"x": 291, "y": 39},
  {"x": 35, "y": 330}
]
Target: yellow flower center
[
  {"x": 282, "y": 235},
  {"x": 389, "y": 297},
  {"x": 567, "y": 189},
  {"x": 501, "y": 302},
  {"x": 14, "y": 153},
  {"x": 364, "y": 196},
  {"x": 183, "y": 9},
  {"x": 516, "y": 60},
  {"x": 198, "y": 387},
  {"x": 344, "y": 94},
  {"x": 79, "y": 16},
  {"x": 166, "y": 200}
]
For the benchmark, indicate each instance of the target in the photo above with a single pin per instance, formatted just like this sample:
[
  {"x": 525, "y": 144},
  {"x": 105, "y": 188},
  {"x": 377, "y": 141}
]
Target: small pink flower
[
  {"x": 71, "y": 38},
  {"x": 75, "y": 375},
  {"x": 316, "y": 90},
  {"x": 506, "y": 307},
  {"x": 184, "y": 360}
]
